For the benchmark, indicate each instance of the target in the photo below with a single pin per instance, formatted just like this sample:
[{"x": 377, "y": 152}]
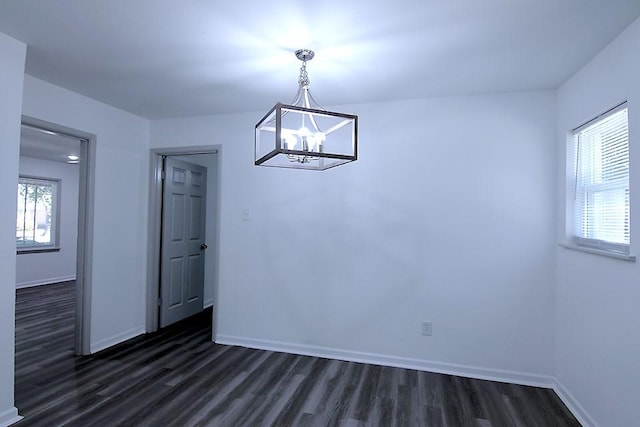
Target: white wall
[
  {"x": 210, "y": 161},
  {"x": 598, "y": 325},
  {"x": 447, "y": 216},
  {"x": 34, "y": 269},
  {"x": 121, "y": 200},
  {"x": 12, "y": 57}
]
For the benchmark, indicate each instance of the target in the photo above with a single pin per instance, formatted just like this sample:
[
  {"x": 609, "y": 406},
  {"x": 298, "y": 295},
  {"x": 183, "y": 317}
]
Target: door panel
[
  {"x": 196, "y": 179},
  {"x": 197, "y": 227},
  {"x": 177, "y": 221},
  {"x": 176, "y": 274},
  {"x": 196, "y": 265},
  {"x": 183, "y": 234}
]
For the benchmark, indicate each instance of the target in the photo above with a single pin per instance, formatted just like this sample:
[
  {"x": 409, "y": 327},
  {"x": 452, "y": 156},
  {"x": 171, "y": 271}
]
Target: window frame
[
  {"x": 55, "y": 221},
  {"x": 574, "y": 240}
]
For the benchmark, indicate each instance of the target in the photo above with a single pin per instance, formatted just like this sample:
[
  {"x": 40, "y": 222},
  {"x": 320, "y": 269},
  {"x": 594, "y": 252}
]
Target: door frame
[
  {"x": 84, "y": 251},
  {"x": 155, "y": 232}
]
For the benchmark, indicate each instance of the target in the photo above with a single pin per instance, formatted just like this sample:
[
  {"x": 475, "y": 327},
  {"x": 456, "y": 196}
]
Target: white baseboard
[
  {"x": 48, "y": 281},
  {"x": 9, "y": 416},
  {"x": 116, "y": 339},
  {"x": 570, "y": 402},
  {"x": 522, "y": 378}
]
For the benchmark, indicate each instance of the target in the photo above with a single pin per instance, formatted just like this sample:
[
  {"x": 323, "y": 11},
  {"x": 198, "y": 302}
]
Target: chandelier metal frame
[{"x": 303, "y": 134}]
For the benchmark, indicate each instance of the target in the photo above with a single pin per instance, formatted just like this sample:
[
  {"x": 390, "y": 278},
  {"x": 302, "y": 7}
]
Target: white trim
[
  {"x": 153, "y": 242},
  {"x": 500, "y": 375},
  {"x": 620, "y": 106},
  {"x": 116, "y": 339},
  {"x": 41, "y": 282},
  {"x": 572, "y": 404},
  {"x": 84, "y": 250},
  {"x": 208, "y": 303},
  {"x": 9, "y": 417},
  {"x": 602, "y": 252}
]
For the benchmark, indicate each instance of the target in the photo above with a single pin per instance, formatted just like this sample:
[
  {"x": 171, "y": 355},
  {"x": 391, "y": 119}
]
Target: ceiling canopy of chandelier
[{"x": 304, "y": 135}]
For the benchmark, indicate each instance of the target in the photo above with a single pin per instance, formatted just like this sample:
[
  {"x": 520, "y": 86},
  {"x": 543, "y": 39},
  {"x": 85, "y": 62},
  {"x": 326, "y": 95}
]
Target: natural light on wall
[{"x": 601, "y": 202}]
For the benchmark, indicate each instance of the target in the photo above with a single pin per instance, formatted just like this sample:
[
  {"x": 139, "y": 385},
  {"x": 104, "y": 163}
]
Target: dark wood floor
[{"x": 178, "y": 377}]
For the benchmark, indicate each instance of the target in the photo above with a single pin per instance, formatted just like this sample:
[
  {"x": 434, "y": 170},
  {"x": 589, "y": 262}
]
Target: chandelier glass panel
[{"x": 303, "y": 135}]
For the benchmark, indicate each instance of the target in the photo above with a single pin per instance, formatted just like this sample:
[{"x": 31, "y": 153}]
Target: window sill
[
  {"x": 631, "y": 258},
  {"x": 37, "y": 250}
]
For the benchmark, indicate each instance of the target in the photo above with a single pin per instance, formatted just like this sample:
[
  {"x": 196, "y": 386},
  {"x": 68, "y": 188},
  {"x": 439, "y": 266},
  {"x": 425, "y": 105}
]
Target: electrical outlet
[{"x": 427, "y": 328}]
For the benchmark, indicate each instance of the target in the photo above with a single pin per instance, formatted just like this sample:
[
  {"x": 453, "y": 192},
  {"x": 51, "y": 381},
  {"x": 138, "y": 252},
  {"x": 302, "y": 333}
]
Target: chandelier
[{"x": 304, "y": 135}]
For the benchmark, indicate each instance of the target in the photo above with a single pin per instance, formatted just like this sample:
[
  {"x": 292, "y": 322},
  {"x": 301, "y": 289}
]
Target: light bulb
[
  {"x": 291, "y": 141},
  {"x": 311, "y": 141},
  {"x": 303, "y": 131}
]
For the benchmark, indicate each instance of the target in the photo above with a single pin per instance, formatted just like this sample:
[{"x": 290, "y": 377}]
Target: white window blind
[{"x": 601, "y": 205}]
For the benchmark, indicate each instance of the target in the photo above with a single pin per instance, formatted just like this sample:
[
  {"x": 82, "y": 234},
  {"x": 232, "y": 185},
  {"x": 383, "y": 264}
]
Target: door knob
[{"x": 203, "y": 246}]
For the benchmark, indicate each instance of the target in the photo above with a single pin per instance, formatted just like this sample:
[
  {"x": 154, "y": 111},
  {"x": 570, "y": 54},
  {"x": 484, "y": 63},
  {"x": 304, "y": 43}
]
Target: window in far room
[
  {"x": 601, "y": 173},
  {"x": 37, "y": 215}
]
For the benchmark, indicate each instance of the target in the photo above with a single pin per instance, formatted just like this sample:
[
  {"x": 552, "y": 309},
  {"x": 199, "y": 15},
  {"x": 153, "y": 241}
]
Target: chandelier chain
[{"x": 303, "y": 79}]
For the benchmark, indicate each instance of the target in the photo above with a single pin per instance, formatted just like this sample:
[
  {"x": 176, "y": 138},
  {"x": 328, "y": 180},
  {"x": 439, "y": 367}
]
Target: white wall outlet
[{"x": 427, "y": 328}]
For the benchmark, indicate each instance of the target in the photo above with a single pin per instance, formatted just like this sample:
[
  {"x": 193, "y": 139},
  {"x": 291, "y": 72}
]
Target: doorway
[
  {"x": 207, "y": 157},
  {"x": 54, "y": 141}
]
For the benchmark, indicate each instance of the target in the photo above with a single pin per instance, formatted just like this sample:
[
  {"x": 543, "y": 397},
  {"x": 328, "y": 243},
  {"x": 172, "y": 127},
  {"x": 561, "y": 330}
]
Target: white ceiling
[{"x": 176, "y": 58}]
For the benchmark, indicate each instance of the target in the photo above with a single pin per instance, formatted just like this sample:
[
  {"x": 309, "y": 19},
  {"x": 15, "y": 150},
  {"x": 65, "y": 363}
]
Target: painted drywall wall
[
  {"x": 34, "y": 269},
  {"x": 598, "y": 324},
  {"x": 120, "y": 208},
  {"x": 447, "y": 216},
  {"x": 210, "y": 161},
  {"x": 12, "y": 59}
]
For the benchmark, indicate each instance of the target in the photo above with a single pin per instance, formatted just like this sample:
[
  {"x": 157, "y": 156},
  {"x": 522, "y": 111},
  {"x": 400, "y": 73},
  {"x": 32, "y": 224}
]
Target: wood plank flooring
[{"x": 178, "y": 377}]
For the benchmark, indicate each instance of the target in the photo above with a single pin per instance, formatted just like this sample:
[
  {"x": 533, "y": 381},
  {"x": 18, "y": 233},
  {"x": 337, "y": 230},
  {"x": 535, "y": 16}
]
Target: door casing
[
  {"x": 84, "y": 257},
  {"x": 154, "y": 231}
]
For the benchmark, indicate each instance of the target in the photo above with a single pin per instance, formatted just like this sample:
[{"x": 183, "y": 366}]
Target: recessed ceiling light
[{"x": 73, "y": 157}]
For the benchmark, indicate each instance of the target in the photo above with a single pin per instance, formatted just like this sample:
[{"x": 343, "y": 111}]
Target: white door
[{"x": 183, "y": 244}]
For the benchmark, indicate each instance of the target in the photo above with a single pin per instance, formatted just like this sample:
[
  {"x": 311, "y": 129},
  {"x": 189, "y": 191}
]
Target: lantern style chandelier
[{"x": 303, "y": 135}]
